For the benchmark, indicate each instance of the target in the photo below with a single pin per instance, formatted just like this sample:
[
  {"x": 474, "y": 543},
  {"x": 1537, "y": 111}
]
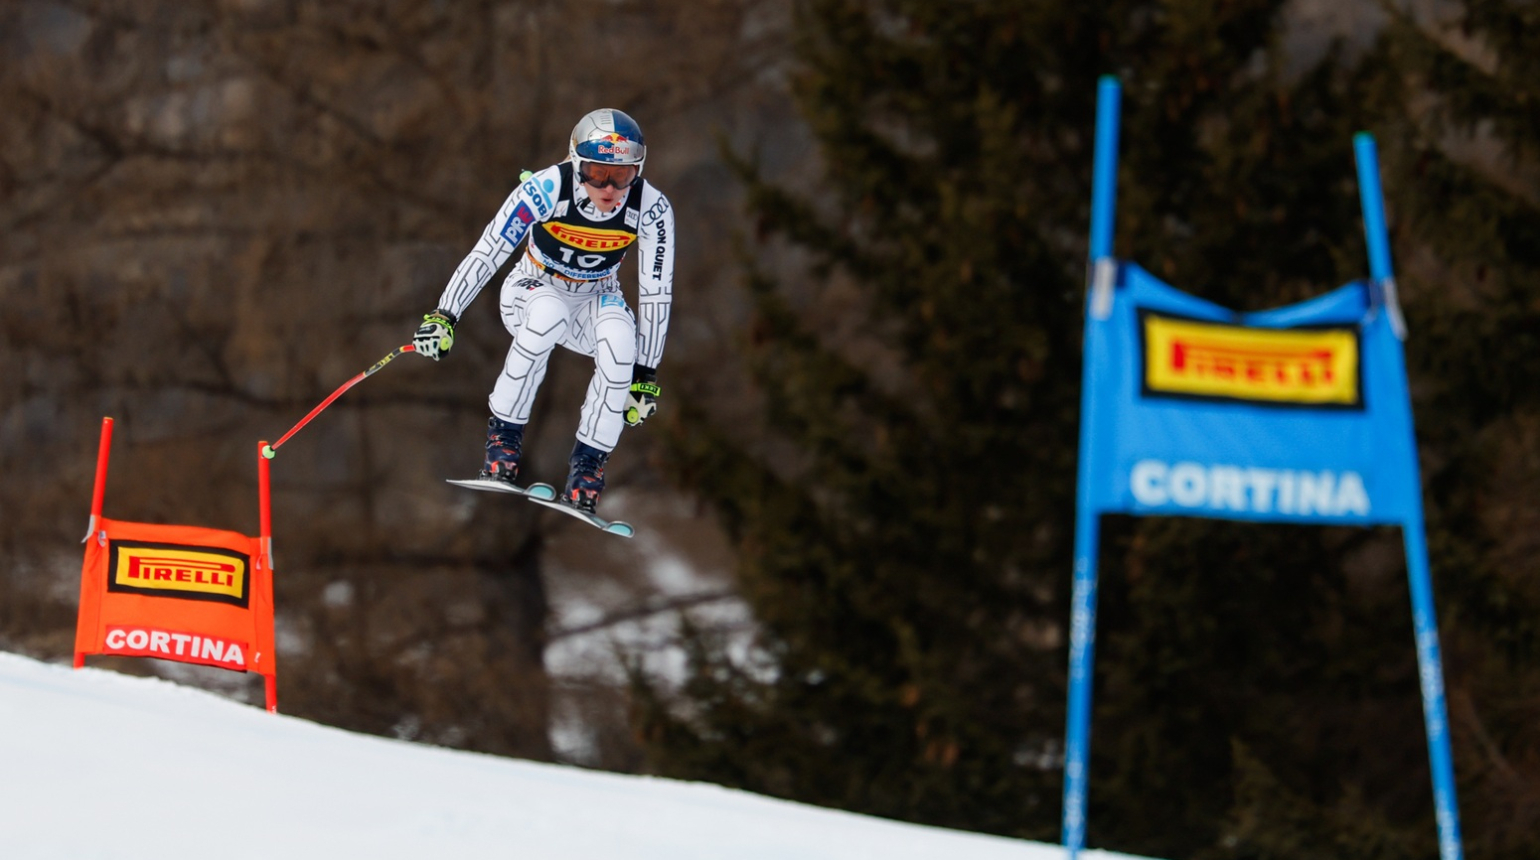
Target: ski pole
[{"x": 269, "y": 450}]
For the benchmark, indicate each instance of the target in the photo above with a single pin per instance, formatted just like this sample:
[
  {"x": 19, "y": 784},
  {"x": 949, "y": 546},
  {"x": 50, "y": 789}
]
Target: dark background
[{"x": 851, "y": 586}]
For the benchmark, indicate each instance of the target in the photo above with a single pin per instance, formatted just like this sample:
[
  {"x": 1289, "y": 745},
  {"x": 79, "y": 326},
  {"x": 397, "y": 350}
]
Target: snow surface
[{"x": 95, "y": 764}]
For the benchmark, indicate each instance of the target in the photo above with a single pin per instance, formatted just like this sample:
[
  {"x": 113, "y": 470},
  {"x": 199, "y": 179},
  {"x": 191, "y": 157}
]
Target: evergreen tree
[{"x": 909, "y": 564}]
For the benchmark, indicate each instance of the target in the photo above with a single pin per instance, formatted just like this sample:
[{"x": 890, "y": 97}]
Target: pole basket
[{"x": 183, "y": 593}]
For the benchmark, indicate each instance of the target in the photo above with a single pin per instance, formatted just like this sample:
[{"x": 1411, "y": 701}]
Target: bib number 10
[{"x": 587, "y": 261}]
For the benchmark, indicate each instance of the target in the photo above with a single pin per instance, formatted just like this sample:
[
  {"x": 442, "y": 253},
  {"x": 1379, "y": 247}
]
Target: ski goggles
[{"x": 614, "y": 175}]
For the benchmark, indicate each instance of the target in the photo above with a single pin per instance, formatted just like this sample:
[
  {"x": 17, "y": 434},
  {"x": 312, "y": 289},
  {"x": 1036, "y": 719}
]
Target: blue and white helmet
[{"x": 608, "y": 136}]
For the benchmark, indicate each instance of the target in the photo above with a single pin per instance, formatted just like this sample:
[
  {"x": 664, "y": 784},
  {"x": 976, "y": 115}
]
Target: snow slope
[{"x": 94, "y": 764}]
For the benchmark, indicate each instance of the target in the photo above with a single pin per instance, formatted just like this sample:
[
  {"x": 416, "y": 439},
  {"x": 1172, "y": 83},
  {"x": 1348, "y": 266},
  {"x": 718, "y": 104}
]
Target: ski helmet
[{"x": 608, "y": 136}]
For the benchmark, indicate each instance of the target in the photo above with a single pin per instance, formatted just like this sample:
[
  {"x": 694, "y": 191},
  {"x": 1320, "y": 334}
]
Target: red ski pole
[{"x": 269, "y": 450}]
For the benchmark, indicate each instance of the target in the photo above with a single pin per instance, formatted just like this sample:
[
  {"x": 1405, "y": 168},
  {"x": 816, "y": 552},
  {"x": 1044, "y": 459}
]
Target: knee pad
[
  {"x": 615, "y": 333},
  {"x": 545, "y": 322}
]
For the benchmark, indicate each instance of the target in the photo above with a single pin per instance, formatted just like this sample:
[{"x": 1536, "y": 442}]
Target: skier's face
[
  {"x": 607, "y": 183},
  {"x": 605, "y": 198}
]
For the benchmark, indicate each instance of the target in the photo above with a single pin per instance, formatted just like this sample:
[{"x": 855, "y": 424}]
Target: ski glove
[
  {"x": 642, "y": 401},
  {"x": 436, "y": 335}
]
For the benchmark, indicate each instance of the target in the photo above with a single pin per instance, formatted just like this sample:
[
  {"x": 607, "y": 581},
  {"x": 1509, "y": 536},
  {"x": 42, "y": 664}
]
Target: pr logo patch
[{"x": 518, "y": 223}]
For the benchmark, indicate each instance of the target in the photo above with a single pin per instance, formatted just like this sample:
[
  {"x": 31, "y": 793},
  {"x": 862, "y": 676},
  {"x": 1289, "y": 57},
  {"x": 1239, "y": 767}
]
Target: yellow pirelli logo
[
  {"x": 167, "y": 570},
  {"x": 590, "y": 238},
  {"x": 1306, "y": 367}
]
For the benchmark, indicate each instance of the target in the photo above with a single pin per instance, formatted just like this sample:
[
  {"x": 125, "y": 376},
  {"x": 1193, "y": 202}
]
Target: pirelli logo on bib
[
  {"x": 1315, "y": 367},
  {"x": 590, "y": 238},
  {"x": 171, "y": 570}
]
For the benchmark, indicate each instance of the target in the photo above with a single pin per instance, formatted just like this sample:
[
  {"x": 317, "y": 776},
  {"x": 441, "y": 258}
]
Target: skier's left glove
[
  {"x": 642, "y": 400},
  {"x": 436, "y": 336}
]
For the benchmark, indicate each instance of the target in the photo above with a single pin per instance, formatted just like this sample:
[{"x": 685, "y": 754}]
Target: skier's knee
[
  {"x": 618, "y": 335},
  {"x": 615, "y": 359},
  {"x": 545, "y": 322}
]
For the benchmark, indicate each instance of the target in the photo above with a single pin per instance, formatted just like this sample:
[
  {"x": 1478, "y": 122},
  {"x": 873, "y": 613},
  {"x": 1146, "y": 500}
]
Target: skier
[{"x": 581, "y": 217}]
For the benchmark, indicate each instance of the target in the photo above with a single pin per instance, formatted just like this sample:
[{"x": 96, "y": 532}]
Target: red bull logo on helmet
[{"x": 620, "y": 148}]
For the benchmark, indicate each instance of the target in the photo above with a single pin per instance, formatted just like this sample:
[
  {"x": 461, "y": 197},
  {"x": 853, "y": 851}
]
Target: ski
[
  {"x": 492, "y": 485},
  {"x": 614, "y": 527}
]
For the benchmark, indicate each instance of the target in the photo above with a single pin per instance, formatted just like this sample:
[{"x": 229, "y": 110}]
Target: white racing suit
[{"x": 565, "y": 290}]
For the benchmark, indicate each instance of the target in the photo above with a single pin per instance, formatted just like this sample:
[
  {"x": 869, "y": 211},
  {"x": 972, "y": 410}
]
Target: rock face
[{"x": 213, "y": 214}]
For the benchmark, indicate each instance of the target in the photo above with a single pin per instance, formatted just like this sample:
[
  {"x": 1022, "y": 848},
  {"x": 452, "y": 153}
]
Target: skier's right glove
[
  {"x": 436, "y": 336},
  {"x": 642, "y": 401}
]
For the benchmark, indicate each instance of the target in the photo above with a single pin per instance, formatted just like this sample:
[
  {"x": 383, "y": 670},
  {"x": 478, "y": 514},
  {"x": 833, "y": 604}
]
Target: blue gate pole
[
  {"x": 1082, "y": 644},
  {"x": 1430, "y": 668},
  {"x": 1077, "y": 734},
  {"x": 1373, "y": 204},
  {"x": 1104, "y": 173},
  {"x": 1372, "y": 201},
  {"x": 1424, "y": 621}
]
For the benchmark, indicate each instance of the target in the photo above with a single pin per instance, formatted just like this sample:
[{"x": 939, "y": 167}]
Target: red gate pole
[
  {"x": 265, "y": 536},
  {"x": 98, "y": 493}
]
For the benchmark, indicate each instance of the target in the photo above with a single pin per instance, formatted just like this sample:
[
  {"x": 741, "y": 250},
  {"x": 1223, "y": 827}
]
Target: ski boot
[
  {"x": 585, "y": 477},
  {"x": 505, "y": 443}
]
